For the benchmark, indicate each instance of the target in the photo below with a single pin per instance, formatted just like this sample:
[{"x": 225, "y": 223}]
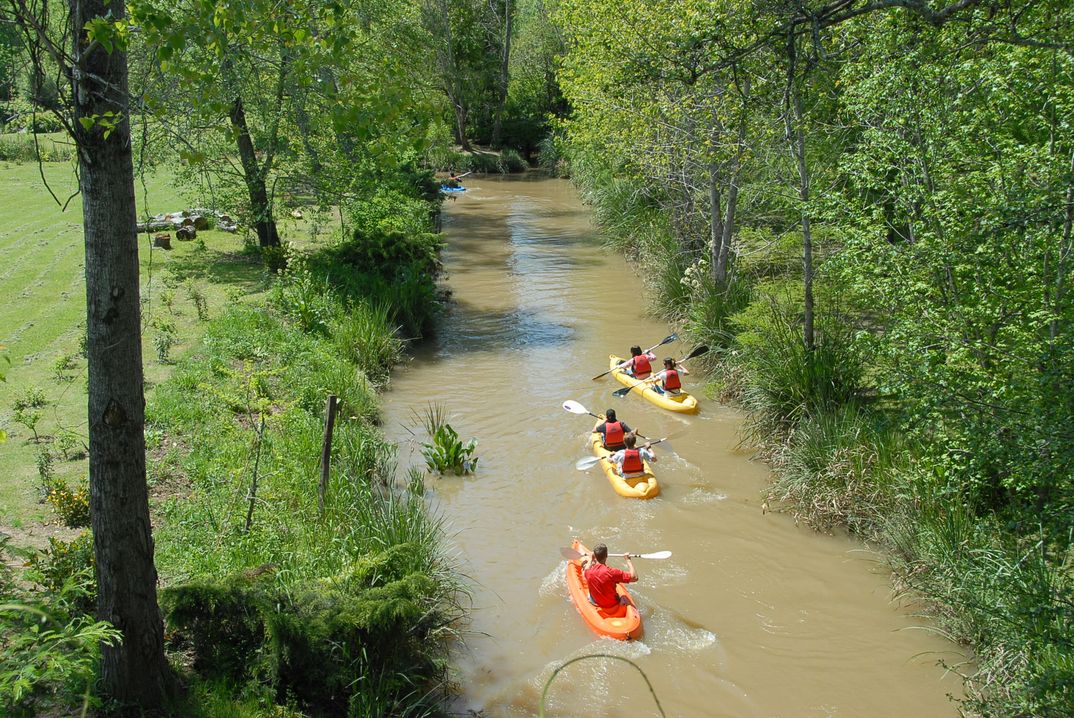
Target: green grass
[{"x": 42, "y": 314}]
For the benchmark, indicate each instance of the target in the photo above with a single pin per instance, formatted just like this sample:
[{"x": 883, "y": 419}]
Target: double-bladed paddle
[
  {"x": 572, "y": 555},
  {"x": 698, "y": 351},
  {"x": 575, "y": 408},
  {"x": 666, "y": 340}
]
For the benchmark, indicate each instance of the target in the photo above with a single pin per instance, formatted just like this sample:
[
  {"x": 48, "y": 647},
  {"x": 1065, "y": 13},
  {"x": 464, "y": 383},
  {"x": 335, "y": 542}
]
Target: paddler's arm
[{"x": 630, "y": 566}]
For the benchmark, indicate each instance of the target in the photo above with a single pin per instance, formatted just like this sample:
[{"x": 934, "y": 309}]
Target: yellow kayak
[
  {"x": 638, "y": 487},
  {"x": 682, "y": 402}
]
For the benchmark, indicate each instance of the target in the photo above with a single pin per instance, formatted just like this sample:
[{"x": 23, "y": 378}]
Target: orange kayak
[{"x": 623, "y": 622}]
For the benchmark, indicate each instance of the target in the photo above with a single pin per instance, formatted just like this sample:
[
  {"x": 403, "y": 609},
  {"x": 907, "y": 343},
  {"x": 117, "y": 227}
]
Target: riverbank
[
  {"x": 859, "y": 440},
  {"x": 273, "y": 603}
]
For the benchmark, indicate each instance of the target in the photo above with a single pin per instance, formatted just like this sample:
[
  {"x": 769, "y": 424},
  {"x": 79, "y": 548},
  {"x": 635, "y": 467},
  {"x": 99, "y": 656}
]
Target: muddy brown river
[{"x": 751, "y": 616}]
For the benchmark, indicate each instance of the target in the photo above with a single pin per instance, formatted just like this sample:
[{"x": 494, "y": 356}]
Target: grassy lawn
[{"x": 42, "y": 316}]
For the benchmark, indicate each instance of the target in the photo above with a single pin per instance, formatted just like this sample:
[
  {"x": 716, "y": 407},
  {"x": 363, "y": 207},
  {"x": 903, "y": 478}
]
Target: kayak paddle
[
  {"x": 698, "y": 351},
  {"x": 572, "y": 555},
  {"x": 666, "y": 340},
  {"x": 575, "y": 408}
]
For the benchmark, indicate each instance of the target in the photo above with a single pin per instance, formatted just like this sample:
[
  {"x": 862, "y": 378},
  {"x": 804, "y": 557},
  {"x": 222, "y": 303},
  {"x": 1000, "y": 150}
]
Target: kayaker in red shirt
[
  {"x": 612, "y": 432},
  {"x": 603, "y": 579}
]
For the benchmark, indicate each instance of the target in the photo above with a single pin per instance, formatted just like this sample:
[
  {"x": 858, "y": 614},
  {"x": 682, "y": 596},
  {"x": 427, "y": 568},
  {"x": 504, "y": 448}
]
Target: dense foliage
[{"x": 870, "y": 210}]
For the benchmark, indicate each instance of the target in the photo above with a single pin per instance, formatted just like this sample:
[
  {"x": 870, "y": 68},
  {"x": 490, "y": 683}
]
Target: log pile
[{"x": 196, "y": 219}]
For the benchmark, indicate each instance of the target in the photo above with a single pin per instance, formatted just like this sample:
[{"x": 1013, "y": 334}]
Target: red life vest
[
  {"x": 641, "y": 366},
  {"x": 613, "y": 434},
  {"x": 632, "y": 463},
  {"x": 671, "y": 380}
]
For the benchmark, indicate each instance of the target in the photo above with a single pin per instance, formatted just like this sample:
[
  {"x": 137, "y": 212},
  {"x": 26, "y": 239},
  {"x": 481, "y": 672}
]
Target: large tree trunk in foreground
[
  {"x": 135, "y": 672},
  {"x": 264, "y": 223}
]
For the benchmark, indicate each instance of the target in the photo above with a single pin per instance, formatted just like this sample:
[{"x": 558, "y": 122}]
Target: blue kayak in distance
[{"x": 451, "y": 190}]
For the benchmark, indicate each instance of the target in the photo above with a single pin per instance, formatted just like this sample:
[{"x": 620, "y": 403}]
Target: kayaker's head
[
  {"x": 600, "y": 552},
  {"x": 669, "y": 363},
  {"x": 610, "y": 415},
  {"x": 629, "y": 440},
  {"x": 635, "y": 351}
]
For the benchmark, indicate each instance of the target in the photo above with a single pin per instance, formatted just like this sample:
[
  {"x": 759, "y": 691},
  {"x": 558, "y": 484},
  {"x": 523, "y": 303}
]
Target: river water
[{"x": 752, "y": 615}]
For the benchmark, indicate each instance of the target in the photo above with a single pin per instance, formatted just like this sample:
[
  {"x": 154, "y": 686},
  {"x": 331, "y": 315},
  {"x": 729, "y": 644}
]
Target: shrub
[
  {"x": 483, "y": 162},
  {"x": 201, "y": 305},
  {"x": 28, "y": 418},
  {"x": 512, "y": 161},
  {"x": 71, "y": 504},
  {"x": 45, "y": 470},
  {"x": 550, "y": 156},
  {"x": 322, "y": 645},
  {"x": 164, "y": 339},
  {"x": 32, "y": 398},
  {"x": 70, "y": 445},
  {"x": 63, "y": 364},
  {"x": 66, "y": 563}
]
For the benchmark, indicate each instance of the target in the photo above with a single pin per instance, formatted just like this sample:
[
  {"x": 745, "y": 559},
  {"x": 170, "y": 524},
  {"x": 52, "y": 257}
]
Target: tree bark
[
  {"x": 505, "y": 66},
  {"x": 134, "y": 672},
  {"x": 264, "y": 223},
  {"x": 796, "y": 140},
  {"x": 732, "y": 202},
  {"x": 715, "y": 221}
]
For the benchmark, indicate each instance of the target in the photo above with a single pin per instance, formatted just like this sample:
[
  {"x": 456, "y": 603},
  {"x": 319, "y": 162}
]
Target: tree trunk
[
  {"x": 460, "y": 125},
  {"x": 261, "y": 210},
  {"x": 505, "y": 65},
  {"x": 715, "y": 221},
  {"x": 732, "y": 201},
  {"x": 796, "y": 139},
  {"x": 134, "y": 672}
]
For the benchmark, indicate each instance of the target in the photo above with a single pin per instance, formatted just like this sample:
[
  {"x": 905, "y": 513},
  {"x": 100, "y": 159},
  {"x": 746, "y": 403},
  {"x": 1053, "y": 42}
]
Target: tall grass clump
[
  {"x": 787, "y": 381},
  {"x": 364, "y": 333},
  {"x": 840, "y": 466},
  {"x": 1011, "y": 597}
]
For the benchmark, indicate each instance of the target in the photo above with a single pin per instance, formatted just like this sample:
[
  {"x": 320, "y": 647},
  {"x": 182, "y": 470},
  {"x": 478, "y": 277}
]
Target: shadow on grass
[{"x": 243, "y": 269}]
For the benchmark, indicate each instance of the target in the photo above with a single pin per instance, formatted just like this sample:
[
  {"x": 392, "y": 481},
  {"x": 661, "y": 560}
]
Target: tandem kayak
[
  {"x": 622, "y": 622},
  {"x": 644, "y": 486},
  {"x": 451, "y": 190},
  {"x": 682, "y": 402}
]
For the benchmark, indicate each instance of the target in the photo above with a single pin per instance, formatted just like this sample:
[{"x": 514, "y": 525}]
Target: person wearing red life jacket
[
  {"x": 612, "y": 432},
  {"x": 602, "y": 579},
  {"x": 630, "y": 462},
  {"x": 638, "y": 365},
  {"x": 669, "y": 380}
]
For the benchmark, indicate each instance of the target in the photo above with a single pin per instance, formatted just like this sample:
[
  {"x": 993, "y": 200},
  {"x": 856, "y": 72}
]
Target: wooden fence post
[{"x": 326, "y": 450}]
